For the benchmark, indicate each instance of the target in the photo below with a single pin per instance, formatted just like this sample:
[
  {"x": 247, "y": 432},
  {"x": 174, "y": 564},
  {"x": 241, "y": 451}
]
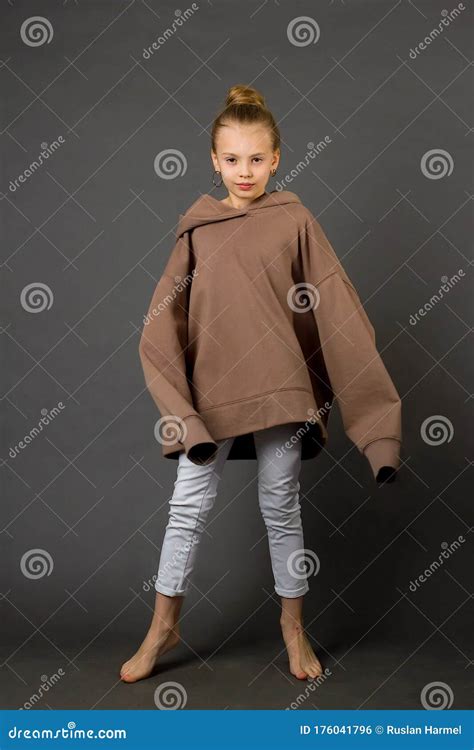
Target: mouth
[{"x": 245, "y": 184}]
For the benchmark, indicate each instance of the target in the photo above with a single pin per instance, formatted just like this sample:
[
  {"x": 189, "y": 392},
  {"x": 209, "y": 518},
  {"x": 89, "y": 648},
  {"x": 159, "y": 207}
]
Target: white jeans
[{"x": 194, "y": 494}]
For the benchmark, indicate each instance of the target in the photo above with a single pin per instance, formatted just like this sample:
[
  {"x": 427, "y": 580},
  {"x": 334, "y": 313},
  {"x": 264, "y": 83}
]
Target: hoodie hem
[
  {"x": 263, "y": 394},
  {"x": 260, "y": 412}
]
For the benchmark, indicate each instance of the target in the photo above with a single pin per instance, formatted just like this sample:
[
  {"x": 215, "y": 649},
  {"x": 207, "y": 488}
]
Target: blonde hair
[{"x": 245, "y": 105}]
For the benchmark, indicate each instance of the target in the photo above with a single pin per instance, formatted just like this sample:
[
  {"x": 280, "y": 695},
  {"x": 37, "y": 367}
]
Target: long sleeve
[
  {"x": 368, "y": 400},
  {"x": 162, "y": 350}
]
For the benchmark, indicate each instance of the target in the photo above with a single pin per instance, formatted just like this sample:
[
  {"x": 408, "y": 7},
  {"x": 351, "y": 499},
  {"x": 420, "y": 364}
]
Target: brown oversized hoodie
[{"x": 254, "y": 323}]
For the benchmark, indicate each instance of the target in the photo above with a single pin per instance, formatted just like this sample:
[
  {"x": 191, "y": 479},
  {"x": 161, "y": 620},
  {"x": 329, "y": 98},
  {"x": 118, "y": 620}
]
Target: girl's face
[{"x": 245, "y": 158}]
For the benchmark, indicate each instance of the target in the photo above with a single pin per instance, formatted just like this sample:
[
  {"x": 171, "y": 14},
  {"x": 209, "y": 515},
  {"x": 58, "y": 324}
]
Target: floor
[{"x": 246, "y": 672}]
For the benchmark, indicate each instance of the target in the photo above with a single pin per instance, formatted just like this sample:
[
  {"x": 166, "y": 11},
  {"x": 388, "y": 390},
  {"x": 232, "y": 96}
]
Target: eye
[
  {"x": 258, "y": 158},
  {"x": 230, "y": 159}
]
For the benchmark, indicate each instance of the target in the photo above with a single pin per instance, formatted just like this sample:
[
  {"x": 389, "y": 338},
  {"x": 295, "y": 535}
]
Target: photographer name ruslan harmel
[{"x": 427, "y": 729}]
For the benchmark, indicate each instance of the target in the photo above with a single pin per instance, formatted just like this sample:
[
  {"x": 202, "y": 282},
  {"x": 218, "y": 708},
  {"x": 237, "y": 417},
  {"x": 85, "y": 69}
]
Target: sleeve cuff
[
  {"x": 198, "y": 444},
  {"x": 383, "y": 456}
]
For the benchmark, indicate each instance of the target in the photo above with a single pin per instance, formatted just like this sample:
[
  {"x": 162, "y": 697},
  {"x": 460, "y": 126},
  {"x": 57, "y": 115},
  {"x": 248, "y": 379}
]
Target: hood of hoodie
[{"x": 208, "y": 209}]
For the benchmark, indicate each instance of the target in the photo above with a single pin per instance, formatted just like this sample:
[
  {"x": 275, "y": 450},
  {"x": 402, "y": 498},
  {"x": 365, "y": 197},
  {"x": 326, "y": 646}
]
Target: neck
[{"x": 238, "y": 202}]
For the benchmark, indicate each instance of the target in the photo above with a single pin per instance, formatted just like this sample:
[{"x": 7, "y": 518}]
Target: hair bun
[{"x": 241, "y": 94}]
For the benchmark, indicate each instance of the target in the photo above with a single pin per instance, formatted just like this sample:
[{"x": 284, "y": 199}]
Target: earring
[
  {"x": 273, "y": 172},
  {"x": 217, "y": 184}
]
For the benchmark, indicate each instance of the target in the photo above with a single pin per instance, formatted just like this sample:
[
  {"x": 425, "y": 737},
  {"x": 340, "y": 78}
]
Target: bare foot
[
  {"x": 156, "y": 643},
  {"x": 303, "y": 661}
]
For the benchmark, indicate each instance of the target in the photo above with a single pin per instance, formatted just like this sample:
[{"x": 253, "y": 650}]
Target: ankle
[
  {"x": 288, "y": 622},
  {"x": 162, "y": 628}
]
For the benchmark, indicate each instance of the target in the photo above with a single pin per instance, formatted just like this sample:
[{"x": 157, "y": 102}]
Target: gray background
[{"x": 96, "y": 224}]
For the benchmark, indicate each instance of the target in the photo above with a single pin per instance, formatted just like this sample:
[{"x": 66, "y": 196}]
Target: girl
[{"x": 254, "y": 328}]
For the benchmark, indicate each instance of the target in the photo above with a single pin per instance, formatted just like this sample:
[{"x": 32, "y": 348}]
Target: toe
[{"x": 300, "y": 674}]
